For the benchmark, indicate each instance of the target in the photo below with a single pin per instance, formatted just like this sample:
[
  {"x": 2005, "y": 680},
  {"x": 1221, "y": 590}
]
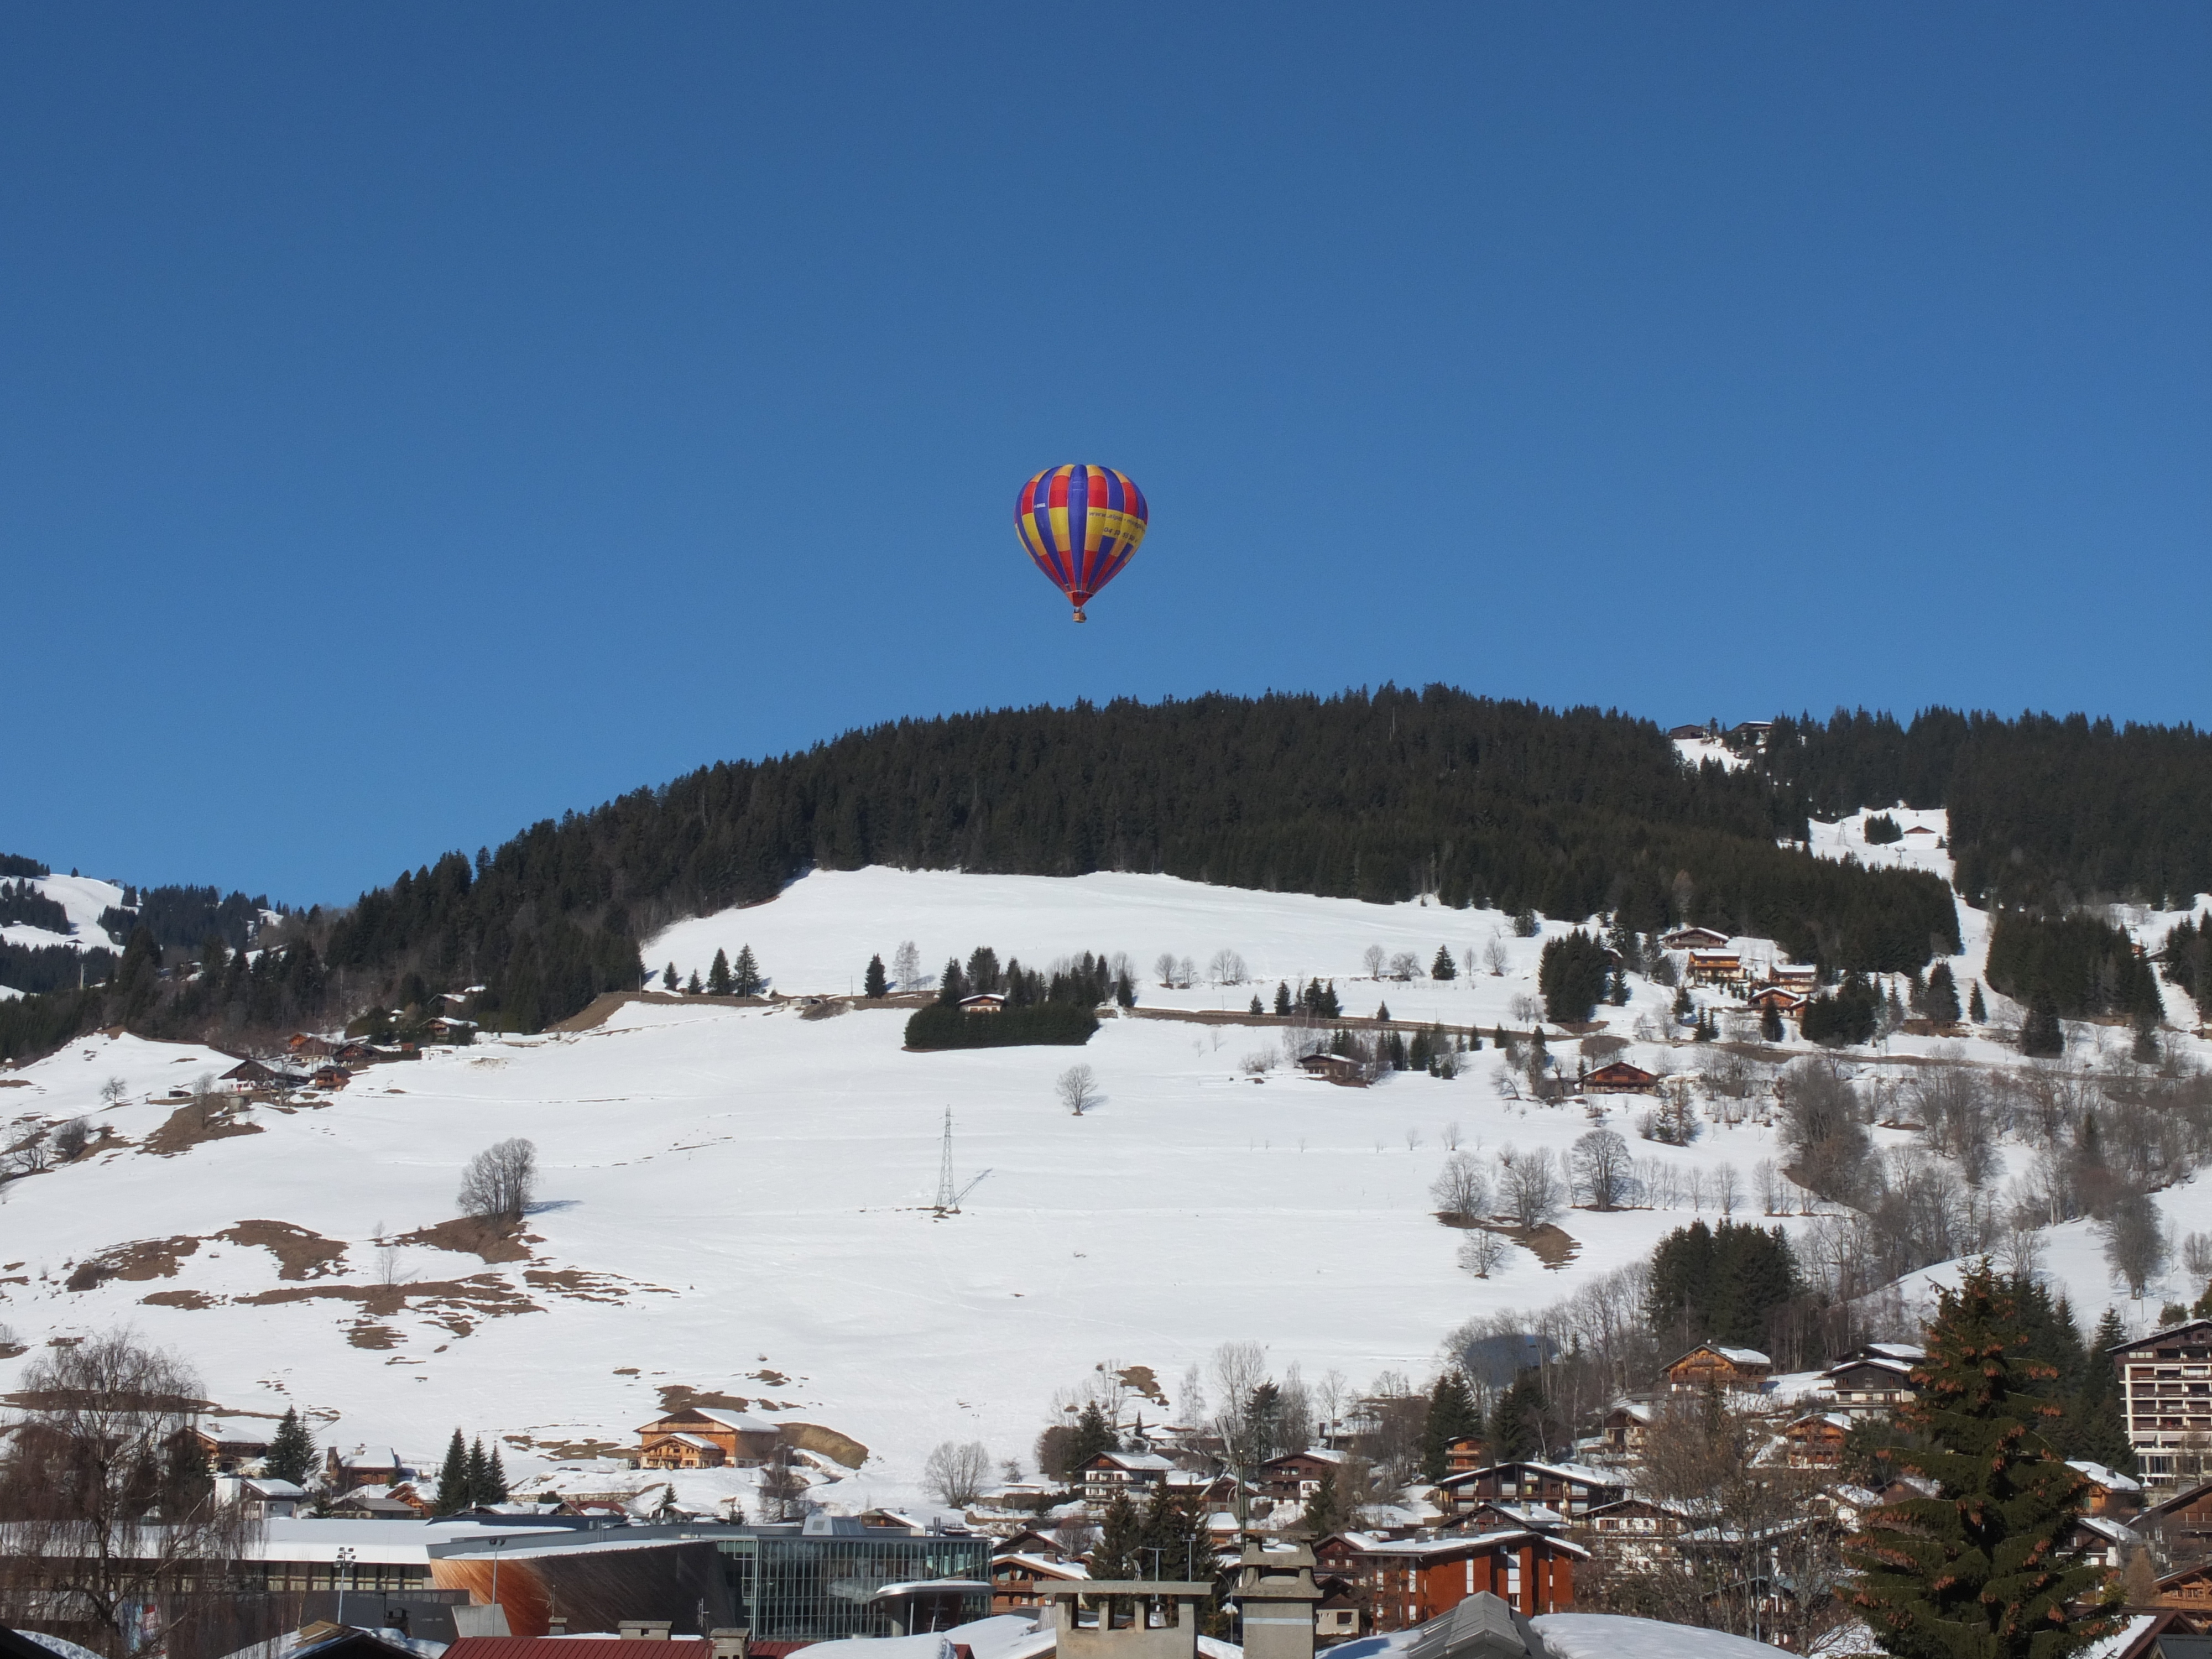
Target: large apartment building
[{"x": 2166, "y": 1388}]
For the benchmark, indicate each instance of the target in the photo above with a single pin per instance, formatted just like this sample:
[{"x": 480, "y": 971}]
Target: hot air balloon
[{"x": 1080, "y": 524}]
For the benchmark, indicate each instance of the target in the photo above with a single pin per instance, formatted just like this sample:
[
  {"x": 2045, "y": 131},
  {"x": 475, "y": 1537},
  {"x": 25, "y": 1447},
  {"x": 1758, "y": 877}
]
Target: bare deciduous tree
[
  {"x": 1077, "y": 1088},
  {"x": 1495, "y": 958},
  {"x": 1164, "y": 970},
  {"x": 1461, "y": 1189},
  {"x": 1482, "y": 1252},
  {"x": 2196, "y": 1255},
  {"x": 1602, "y": 1169},
  {"x": 112, "y": 1522},
  {"x": 1185, "y": 973},
  {"x": 1227, "y": 968},
  {"x": 906, "y": 967},
  {"x": 1530, "y": 1187},
  {"x": 1372, "y": 959},
  {"x": 501, "y": 1180},
  {"x": 71, "y": 1139},
  {"x": 2135, "y": 1245},
  {"x": 113, "y": 1092},
  {"x": 1407, "y": 966},
  {"x": 956, "y": 1471}
]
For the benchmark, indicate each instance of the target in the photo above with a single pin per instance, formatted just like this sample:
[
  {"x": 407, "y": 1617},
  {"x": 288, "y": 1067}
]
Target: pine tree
[
  {"x": 1942, "y": 999},
  {"x": 1451, "y": 1415},
  {"x": 1381, "y": 1012},
  {"x": 1974, "y": 1572},
  {"x": 291, "y": 1453},
  {"x": 1327, "y": 1511},
  {"x": 1976, "y": 1010},
  {"x": 1517, "y": 1421},
  {"x": 1093, "y": 1435},
  {"x": 2098, "y": 1422},
  {"x": 693, "y": 988},
  {"x": 453, "y": 1494},
  {"x": 877, "y": 982},
  {"x": 1282, "y": 998},
  {"x": 1443, "y": 967},
  {"x": 718, "y": 974},
  {"x": 668, "y": 980},
  {"x": 2040, "y": 1034},
  {"x": 1770, "y": 1024},
  {"x": 479, "y": 1474},
  {"x": 746, "y": 974},
  {"x": 495, "y": 1479},
  {"x": 1121, "y": 1532},
  {"x": 1257, "y": 1008},
  {"x": 1173, "y": 1542}
]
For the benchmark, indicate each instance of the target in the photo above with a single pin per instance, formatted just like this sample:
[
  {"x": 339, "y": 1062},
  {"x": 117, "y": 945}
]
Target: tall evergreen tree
[
  {"x": 2096, "y": 1426},
  {"x": 745, "y": 973},
  {"x": 1443, "y": 967},
  {"x": 718, "y": 974},
  {"x": 1976, "y": 1010},
  {"x": 691, "y": 987},
  {"x": 494, "y": 1486},
  {"x": 877, "y": 982},
  {"x": 1974, "y": 1572},
  {"x": 1120, "y": 1534},
  {"x": 1093, "y": 1435},
  {"x": 291, "y": 1454},
  {"x": 477, "y": 1477},
  {"x": 1517, "y": 1419},
  {"x": 453, "y": 1494},
  {"x": 2040, "y": 1034},
  {"x": 669, "y": 980},
  {"x": 1451, "y": 1415},
  {"x": 1330, "y": 1509},
  {"x": 1941, "y": 998},
  {"x": 1282, "y": 997}
]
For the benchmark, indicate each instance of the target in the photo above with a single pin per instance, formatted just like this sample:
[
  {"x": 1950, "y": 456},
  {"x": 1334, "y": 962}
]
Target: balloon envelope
[{"x": 1080, "y": 524}]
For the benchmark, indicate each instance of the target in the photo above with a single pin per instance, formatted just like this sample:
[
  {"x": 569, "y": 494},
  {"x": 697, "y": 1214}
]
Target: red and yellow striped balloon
[{"x": 1080, "y": 524}]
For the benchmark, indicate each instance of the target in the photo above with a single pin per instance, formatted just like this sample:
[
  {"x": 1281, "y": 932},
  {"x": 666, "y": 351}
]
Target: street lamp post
[{"x": 343, "y": 1571}]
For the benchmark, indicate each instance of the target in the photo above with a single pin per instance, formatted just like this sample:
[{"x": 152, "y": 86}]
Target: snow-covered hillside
[
  {"x": 738, "y": 1201},
  {"x": 82, "y": 897}
]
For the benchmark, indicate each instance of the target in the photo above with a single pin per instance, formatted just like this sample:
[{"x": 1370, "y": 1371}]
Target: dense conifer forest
[
  {"x": 2045, "y": 812},
  {"x": 1380, "y": 796}
]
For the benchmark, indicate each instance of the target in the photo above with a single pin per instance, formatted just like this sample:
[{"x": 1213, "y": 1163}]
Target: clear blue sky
[{"x": 421, "y": 419}]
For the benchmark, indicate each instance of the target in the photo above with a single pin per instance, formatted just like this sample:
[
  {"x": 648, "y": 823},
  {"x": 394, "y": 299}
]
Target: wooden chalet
[
  {"x": 2110, "y": 1492},
  {"x": 1816, "y": 1440},
  {"x": 332, "y": 1076},
  {"x": 1016, "y": 1578},
  {"x": 1297, "y": 1476},
  {"x": 364, "y": 1466},
  {"x": 249, "y": 1075},
  {"x": 986, "y": 1002},
  {"x": 2189, "y": 1589},
  {"x": 1468, "y": 1452},
  {"x": 2100, "y": 1540},
  {"x": 2182, "y": 1522},
  {"x": 698, "y": 1438},
  {"x": 1711, "y": 1366},
  {"x": 1694, "y": 938},
  {"x": 1619, "y": 1077},
  {"x": 1634, "y": 1530},
  {"x": 227, "y": 1448},
  {"x": 1572, "y": 1489},
  {"x": 1875, "y": 1378},
  {"x": 1103, "y": 1474},
  {"x": 1339, "y": 1615},
  {"x": 1334, "y": 1068},
  {"x": 309, "y": 1047},
  {"x": 1407, "y": 1581},
  {"x": 1494, "y": 1514},
  {"x": 355, "y": 1052},
  {"x": 1627, "y": 1426},
  {"x": 1783, "y": 998},
  {"x": 1715, "y": 967}
]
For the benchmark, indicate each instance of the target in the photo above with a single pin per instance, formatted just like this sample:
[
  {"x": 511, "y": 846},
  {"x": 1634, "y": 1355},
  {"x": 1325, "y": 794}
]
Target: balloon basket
[{"x": 1079, "y": 616}]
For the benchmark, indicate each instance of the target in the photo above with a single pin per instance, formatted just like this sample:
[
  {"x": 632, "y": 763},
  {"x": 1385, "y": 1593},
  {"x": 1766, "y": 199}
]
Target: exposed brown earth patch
[
  {"x": 178, "y": 1299},
  {"x": 565, "y": 1451},
  {"x": 576, "y": 1284},
  {"x": 195, "y": 1121},
  {"x": 300, "y": 1253},
  {"x": 1552, "y": 1245},
  {"x": 1141, "y": 1379},
  {"x": 681, "y": 1397},
  {"x": 469, "y": 1235},
  {"x": 813, "y": 1437},
  {"x": 456, "y": 1305},
  {"x": 368, "y": 1334},
  {"x": 149, "y": 1258},
  {"x": 774, "y": 1379}
]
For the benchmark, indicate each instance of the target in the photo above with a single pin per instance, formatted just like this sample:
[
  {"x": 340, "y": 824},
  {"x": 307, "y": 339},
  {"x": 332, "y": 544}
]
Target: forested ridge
[
  {"x": 1380, "y": 796},
  {"x": 2045, "y": 812}
]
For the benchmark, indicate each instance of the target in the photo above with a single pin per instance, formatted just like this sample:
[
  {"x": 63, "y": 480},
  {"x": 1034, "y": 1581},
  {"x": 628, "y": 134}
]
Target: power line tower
[
  {"x": 948, "y": 1198},
  {"x": 948, "y": 1194}
]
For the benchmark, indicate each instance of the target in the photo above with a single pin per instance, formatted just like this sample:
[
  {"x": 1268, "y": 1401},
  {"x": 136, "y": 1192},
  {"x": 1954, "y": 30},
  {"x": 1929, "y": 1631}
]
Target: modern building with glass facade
[{"x": 834, "y": 1578}]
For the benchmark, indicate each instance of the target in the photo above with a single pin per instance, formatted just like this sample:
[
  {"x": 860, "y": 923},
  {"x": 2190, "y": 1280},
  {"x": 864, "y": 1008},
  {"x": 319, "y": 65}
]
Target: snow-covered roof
[
  {"x": 743, "y": 1422},
  {"x": 2105, "y": 1527},
  {"x": 1608, "y": 1635},
  {"x": 2110, "y": 1479},
  {"x": 1038, "y": 1564},
  {"x": 1138, "y": 1460}
]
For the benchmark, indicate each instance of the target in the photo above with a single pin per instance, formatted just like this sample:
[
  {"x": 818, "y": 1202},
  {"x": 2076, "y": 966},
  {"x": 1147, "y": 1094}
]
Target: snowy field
[
  {"x": 738, "y": 1200},
  {"x": 81, "y": 898}
]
